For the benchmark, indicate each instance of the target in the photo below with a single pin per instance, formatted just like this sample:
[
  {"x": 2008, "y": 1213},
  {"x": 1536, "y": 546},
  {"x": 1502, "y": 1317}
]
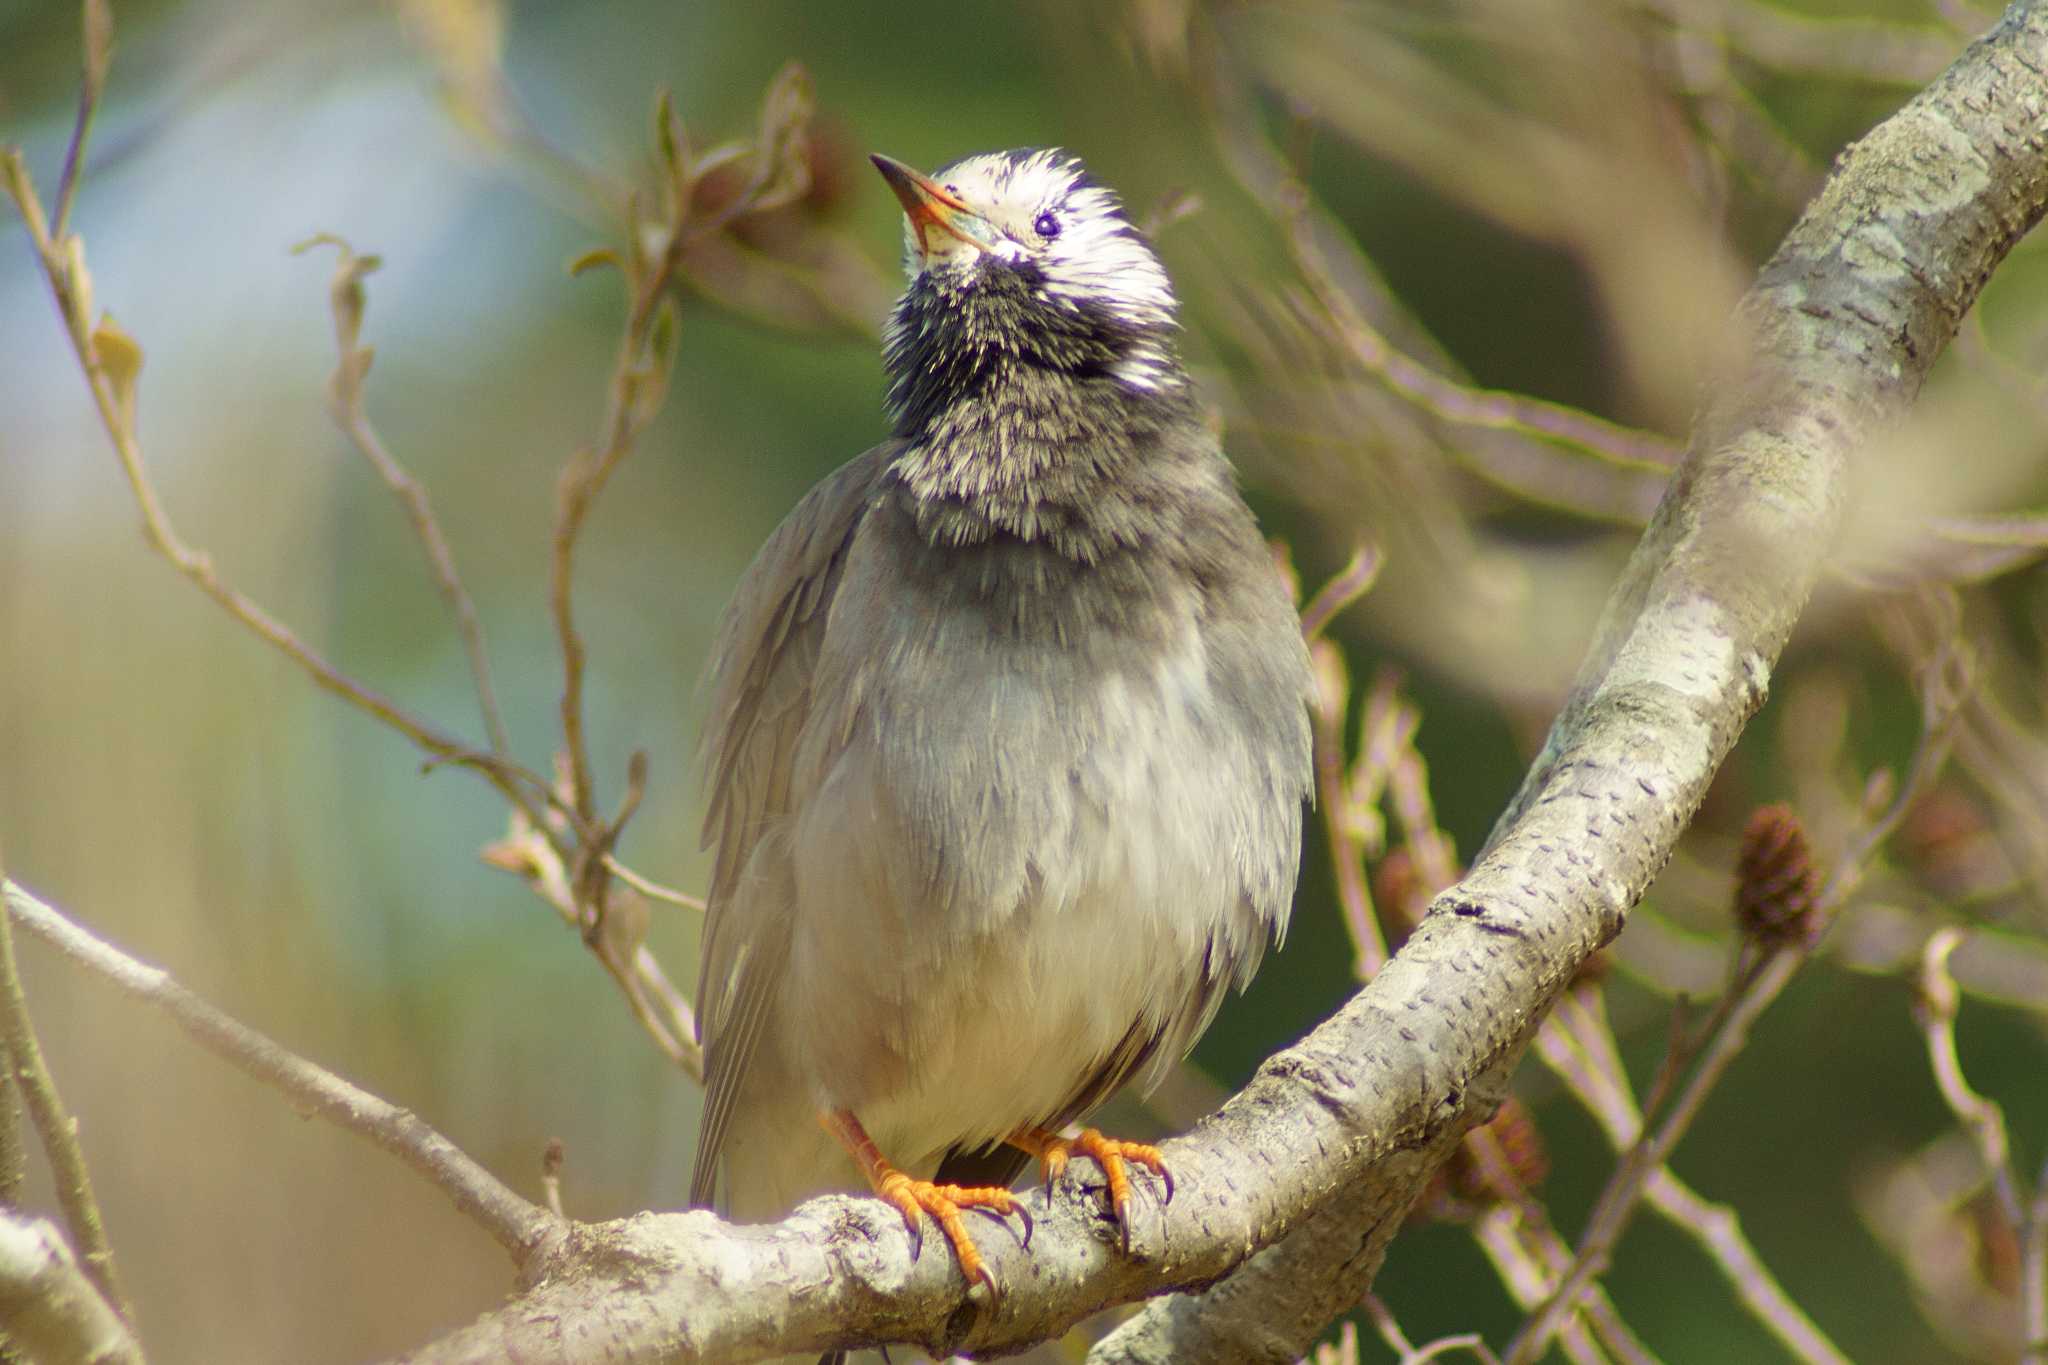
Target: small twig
[
  {"x": 57, "y": 1130},
  {"x": 517, "y": 1225},
  {"x": 627, "y": 411},
  {"x": 111, "y": 362},
  {"x": 656, "y": 1003},
  {"x": 551, "y": 1160},
  {"x": 1436, "y": 864},
  {"x": 346, "y": 403},
  {"x": 1981, "y": 1118},
  {"x": 1577, "y": 1044},
  {"x": 1343, "y": 809},
  {"x": 637, "y": 387},
  {"x": 1350, "y": 583},
  {"x": 653, "y": 890},
  {"x": 1540, "y": 1257},
  {"x": 1628, "y": 451},
  {"x": 1523, "y": 1270},
  {"x": 1382, "y": 1319},
  {"x": 49, "y": 1309},
  {"x": 1796, "y": 44},
  {"x": 97, "y": 21}
]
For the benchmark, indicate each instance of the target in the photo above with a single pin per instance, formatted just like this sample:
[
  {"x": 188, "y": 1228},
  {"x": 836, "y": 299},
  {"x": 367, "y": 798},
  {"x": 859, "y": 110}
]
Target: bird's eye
[{"x": 1046, "y": 226}]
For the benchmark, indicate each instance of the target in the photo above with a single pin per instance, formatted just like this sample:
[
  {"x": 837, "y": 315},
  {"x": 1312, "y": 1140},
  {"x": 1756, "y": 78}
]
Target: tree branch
[
  {"x": 1330, "y": 1143},
  {"x": 520, "y": 1227},
  {"x": 58, "y": 1132}
]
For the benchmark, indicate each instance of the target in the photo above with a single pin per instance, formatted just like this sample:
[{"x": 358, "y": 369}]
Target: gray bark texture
[{"x": 1289, "y": 1195}]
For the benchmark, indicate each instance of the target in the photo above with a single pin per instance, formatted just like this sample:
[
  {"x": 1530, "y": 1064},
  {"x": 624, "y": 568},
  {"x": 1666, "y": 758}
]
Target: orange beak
[{"x": 931, "y": 206}]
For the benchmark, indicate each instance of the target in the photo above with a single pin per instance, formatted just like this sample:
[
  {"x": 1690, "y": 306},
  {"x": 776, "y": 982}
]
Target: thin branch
[
  {"x": 1523, "y": 1271},
  {"x": 1530, "y": 1257},
  {"x": 1980, "y": 1117},
  {"x": 1350, "y": 583},
  {"x": 57, "y": 1130},
  {"x": 1578, "y": 1045},
  {"x": 651, "y": 889},
  {"x": 346, "y": 403},
  {"x": 97, "y": 22},
  {"x": 618, "y": 943},
  {"x": 522, "y": 1228},
  {"x": 1349, "y": 820},
  {"x": 637, "y": 388},
  {"x": 1626, "y": 451},
  {"x": 1405, "y": 1352},
  {"x": 638, "y": 383},
  {"x": 1845, "y": 48},
  {"x": 111, "y": 361}
]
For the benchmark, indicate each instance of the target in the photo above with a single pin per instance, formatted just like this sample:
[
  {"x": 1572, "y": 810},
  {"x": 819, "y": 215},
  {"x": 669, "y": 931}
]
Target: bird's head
[{"x": 1021, "y": 257}]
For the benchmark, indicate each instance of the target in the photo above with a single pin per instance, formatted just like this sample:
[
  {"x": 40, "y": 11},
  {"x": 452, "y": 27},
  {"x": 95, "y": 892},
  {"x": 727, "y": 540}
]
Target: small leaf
[
  {"x": 674, "y": 145},
  {"x": 119, "y": 357},
  {"x": 787, "y": 105},
  {"x": 650, "y": 380},
  {"x": 594, "y": 258},
  {"x": 663, "y": 332},
  {"x": 786, "y": 110}
]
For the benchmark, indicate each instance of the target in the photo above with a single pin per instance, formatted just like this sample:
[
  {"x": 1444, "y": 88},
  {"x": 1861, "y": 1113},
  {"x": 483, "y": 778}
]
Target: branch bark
[{"x": 1313, "y": 1165}]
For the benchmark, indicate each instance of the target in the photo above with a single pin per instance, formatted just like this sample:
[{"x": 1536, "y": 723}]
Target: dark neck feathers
[{"x": 1026, "y": 422}]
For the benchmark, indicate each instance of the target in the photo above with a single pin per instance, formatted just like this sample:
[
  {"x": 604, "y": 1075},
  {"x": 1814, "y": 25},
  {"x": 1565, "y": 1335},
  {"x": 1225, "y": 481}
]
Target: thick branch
[{"x": 1333, "y": 1139}]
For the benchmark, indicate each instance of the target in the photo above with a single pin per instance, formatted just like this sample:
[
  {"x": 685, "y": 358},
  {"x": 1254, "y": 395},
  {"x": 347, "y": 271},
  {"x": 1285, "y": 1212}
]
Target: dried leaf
[{"x": 345, "y": 292}]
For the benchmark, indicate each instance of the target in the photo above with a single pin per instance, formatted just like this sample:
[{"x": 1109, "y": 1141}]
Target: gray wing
[{"x": 761, "y": 675}]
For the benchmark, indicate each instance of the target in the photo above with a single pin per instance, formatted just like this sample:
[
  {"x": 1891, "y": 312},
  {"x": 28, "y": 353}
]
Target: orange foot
[
  {"x": 916, "y": 1198},
  {"x": 1113, "y": 1155}
]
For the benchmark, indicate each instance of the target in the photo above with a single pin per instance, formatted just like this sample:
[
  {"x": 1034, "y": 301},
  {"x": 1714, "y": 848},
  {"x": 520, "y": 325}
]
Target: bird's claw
[
  {"x": 1114, "y": 1155},
  {"x": 915, "y": 1199}
]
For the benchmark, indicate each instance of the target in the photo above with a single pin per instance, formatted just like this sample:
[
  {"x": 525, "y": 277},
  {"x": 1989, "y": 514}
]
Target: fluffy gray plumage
[{"x": 1008, "y": 740}]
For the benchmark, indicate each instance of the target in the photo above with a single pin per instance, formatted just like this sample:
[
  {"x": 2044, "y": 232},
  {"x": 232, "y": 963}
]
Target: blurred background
[{"x": 1454, "y": 274}]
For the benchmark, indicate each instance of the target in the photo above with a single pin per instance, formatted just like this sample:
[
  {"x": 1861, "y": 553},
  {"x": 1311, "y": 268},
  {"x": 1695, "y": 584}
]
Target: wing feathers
[{"x": 760, "y": 704}]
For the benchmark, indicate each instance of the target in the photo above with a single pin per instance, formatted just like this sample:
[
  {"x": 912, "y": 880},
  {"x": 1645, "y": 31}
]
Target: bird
[{"x": 1007, "y": 745}]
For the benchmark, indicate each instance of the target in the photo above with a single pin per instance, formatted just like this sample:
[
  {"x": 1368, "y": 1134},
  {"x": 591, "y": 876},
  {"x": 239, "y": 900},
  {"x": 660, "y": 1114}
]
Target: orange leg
[
  {"x": 915, "y": 1198},
  {"x": 1113, "y": 1155}
]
